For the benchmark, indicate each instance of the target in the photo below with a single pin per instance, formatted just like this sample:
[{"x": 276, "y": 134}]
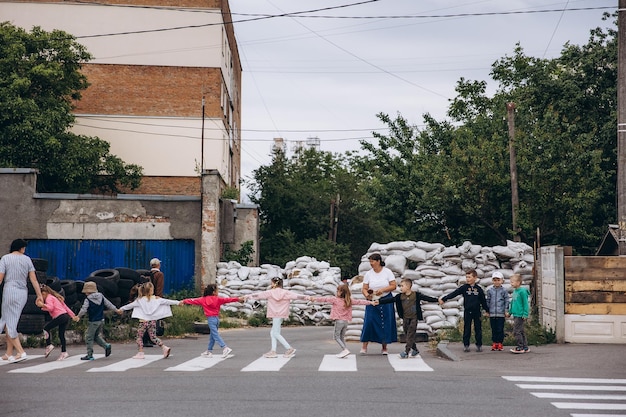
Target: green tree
[
  {"x": 39, "y": 78},
  {"x": 451, "y": 181},
  {"x": 294, "y": 195}
]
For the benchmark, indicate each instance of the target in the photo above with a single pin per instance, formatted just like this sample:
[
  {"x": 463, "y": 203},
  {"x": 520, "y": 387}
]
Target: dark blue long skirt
[{"x": 379, "y": 323}]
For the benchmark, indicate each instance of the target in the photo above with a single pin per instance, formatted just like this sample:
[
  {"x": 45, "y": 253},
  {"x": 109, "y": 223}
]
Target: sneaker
[
  {"x": 46, "y": 335},
  {"x": 494, "y": 346},
  {"x": 289, "y": 353},
  {"x": 500, "y": 347},
  {"x": 206, "y": 354},
  {"x": 107, "y": 351},
  {"x": 139, "y": 355},
  {"x": 63, "y": 356},
  {"x": 226, "y": 352},
  {"x": 403, "y": 355},
  {"x": 414, "y": 353},
  {"x": 526, "y": 349},
  {"x": 479, "y": 348},
  {"x": 343, "y": 353},
  {"x": 48, "y": 350},
  {"x": 466, "y": 349},
  {"x": 87, "y": 358},
  {"x": 517, "y": 350},
  {"x": 363, "y": 352},
  {"x": 384, "y": 352},
  {"x": 166, "y": 351},
  {"x": 270, "y": 354}
]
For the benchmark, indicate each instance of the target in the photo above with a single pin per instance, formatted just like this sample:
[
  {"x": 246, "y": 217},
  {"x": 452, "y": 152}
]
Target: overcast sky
[{"x": 328, "y": 77}]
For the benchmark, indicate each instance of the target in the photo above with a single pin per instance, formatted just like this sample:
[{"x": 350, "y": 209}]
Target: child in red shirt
[{"x": 211, "y": 304}]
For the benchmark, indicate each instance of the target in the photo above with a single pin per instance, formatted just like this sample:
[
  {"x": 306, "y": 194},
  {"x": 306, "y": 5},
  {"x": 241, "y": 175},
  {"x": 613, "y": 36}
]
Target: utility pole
[
  {"x": 621, "y": 125},
  {"x": 510, "y": 112},
  {"x": 334, "y": 219}
]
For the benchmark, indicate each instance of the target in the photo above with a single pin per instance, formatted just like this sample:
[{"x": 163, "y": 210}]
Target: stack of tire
[{"x": 116, "y": 283}]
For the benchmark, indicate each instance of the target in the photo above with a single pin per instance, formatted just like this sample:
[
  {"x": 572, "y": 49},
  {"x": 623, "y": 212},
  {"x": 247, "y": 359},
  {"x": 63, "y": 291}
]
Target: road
[{"x": 545, "y": 382}]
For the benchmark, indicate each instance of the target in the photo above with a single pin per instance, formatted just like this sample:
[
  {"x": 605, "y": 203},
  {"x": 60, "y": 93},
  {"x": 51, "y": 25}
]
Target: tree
[
  {"x": 294, "y": 196},
  {"x": 39, "y": 78},
  {"x": 450, "y": 181}
]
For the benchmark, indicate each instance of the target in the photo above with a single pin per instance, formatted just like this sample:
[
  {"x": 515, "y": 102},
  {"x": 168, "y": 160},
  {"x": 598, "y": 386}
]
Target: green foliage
[
  {"x": 295, "y": 195},
  {"x": 243, "y": 255},
  {"x": 40, "y": 79},
  {"x": 230, "y": 193}
]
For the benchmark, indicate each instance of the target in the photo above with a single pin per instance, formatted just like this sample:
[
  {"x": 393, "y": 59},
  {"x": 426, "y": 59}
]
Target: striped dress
[{"x": 15, "y": 268}]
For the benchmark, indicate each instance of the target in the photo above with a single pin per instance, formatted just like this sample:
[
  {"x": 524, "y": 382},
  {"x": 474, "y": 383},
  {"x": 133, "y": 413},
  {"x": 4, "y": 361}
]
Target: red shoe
[
  {"x": 494, "y": 346},
  {"x": 500, "y": 347}
]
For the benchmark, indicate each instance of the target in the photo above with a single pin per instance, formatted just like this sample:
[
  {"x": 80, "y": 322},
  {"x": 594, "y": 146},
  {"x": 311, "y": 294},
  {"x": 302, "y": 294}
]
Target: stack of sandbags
[
  {"x": 305, "y": 275},
  {"x": 435, "y": 270}
]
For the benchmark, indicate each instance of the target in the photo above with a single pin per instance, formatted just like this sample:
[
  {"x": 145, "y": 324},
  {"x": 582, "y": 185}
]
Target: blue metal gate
[{"x": 76, "y": 259}]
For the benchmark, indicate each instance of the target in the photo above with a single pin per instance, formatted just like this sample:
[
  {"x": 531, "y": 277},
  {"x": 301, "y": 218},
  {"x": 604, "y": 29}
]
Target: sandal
[{"x": 5, "y": 357}]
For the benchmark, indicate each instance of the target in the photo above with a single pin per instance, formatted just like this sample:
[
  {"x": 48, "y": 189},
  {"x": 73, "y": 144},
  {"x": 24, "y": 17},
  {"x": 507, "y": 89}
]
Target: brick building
[{"x": 154, "y": 62}]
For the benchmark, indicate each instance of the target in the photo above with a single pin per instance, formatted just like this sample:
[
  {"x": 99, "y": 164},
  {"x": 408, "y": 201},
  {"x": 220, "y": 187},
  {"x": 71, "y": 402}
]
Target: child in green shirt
[{"x": 519, "y": 309}]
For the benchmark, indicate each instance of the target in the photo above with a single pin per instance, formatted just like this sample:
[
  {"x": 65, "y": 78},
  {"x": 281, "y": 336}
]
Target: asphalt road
[{"x": 478, "y": 384}]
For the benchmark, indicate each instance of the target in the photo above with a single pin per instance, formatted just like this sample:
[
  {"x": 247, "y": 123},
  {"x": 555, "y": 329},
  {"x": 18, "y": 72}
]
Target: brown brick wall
[
  {"x": 168, "y": 186},
  {"x": 139, "y": 90}
]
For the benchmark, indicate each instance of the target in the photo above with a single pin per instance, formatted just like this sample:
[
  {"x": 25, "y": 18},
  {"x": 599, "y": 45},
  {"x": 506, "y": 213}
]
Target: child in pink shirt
[
  {"x": 278, "y": 302},
  {"x": 54, "y": 304},
  {"x": 341, "y": 312}
]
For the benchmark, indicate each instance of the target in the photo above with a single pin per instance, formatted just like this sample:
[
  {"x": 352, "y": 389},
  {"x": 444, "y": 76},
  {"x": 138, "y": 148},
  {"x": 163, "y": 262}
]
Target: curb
[{"x": 444, "y": 352}]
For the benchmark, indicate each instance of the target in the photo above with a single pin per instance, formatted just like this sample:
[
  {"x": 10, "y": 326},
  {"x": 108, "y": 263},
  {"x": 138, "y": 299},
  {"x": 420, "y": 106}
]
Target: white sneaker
[
  {"x": 343, "y": 353},
  {"x": 48, "y": 350},
  {"x": 226, "y": 352},
  {"x": 63, "y": 356},
  {"x": 289, "y": 353},
  {"x": 270, "y": 354},
  {"x": 206, "y": 354}
]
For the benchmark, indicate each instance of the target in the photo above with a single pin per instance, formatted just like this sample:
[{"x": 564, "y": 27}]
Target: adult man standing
[{"x": 156, "y": 276}]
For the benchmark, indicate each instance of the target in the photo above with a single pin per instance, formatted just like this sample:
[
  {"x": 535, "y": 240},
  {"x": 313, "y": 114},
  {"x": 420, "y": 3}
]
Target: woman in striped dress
[{"x": 15, "y": 269}]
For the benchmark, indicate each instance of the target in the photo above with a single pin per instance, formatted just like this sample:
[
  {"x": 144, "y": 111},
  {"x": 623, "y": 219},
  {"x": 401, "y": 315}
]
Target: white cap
[
  {"x": 155, "y": 261},
  {"x": 497, "y": 274}
]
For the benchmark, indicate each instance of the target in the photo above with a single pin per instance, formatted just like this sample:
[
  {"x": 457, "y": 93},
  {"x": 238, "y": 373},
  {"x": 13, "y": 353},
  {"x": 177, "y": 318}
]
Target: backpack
[{"x": 147, "y": 278}]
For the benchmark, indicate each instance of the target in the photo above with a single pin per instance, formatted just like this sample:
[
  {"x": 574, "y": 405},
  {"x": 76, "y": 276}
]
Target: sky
[{"x": 327, "y": 77}]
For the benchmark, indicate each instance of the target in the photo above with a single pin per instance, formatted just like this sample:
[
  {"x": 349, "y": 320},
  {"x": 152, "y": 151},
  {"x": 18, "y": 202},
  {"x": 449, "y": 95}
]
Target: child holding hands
[
  {"x": 341, "y": 312},
  {"x": 149, "y": 308},
  {"x": 211, "y": 304},
  {"x": 408, "y": 306},
  {"x": 54, "y": 304},
  {"x": 278, "y": 301}
]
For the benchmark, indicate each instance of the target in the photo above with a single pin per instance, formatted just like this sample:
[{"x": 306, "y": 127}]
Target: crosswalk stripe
[
  {"x": 409, "y": 364},
  {"x": 331, "y": 363},
  {"x": 574, "y": 387},
  {"x": 197, "y": 364},
  {"x": 567, "y": 380},
  {"x": 127, "y": 364},
  {"x": 590, "y": 406},
  {"x": 596, "y": 415},
  {"x": 53, "y": 365},
  {"x": 266, "y": 364},
  {"x": 562, "y": 396}
]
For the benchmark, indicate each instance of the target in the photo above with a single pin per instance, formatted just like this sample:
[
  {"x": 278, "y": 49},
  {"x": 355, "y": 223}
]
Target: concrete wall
[{"x": 31, "y": 215}]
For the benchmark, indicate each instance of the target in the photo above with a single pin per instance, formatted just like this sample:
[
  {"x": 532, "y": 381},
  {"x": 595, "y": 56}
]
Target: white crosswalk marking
[
  {"x": 266, "y": 364},
  {"x": 197, "y": 364},
  {"x": 53, "y": 365},
  {"x": 409, "y": 364},
  {"x": 578, "y": 401},
  {"x": 127, "y": 364},
  {"x": 331, "y": 363}
]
